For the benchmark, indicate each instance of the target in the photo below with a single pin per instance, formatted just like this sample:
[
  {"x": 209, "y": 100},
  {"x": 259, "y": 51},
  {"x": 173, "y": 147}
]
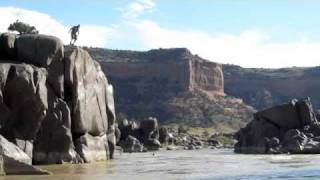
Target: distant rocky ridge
[
  {"x": 263, "y": 88},
  {"x": 172, "y": 85},
  {"x": 56, "y": 104}
]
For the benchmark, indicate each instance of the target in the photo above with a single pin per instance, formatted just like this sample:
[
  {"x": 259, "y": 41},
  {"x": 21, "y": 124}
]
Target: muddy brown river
[{"x": 184, "y": 164}]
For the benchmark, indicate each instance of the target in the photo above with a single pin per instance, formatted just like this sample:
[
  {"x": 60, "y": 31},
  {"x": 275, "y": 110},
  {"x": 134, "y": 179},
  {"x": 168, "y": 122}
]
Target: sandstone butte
[
  {"x": 56, "y": 104},
  {"x": 172, "y": 85}
]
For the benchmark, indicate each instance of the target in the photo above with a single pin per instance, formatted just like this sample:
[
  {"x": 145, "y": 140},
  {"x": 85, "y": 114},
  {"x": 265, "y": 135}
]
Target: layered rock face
[
  {"x": 56, "y": 103},
  {"x": 172, "y": 85},
  {"x": 206, "y": 76},
  {"x": 176, "y": 69},
  {"x": 287, "y": 128},
  {"x": 264, "y": 88}
]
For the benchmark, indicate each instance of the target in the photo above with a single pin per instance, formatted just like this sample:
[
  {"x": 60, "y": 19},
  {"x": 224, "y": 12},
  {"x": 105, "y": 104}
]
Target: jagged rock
[
  {"x": 163, "y": 135},
  {"x": 252, "y": 137},
  {"x": 150, "y": 133},
  {"x": 25, "y": 145},
  {"x": 147, "y": 132},
  {"x": 117, "y": 134},
  {"x": 52, "y": 100},
  {"x": 312, "y": 147},
  {"x": 11, "y": 150},
  {"x": 131, "y": 144},
  {"x": 15, "y": 161},
  {"x": 86, "y": 86},
  {"x": 14, "y": 167},
  {"x": 25, "y": 97},
  {"x": 152, "y": 144},
  {"x": 149, "y": 128},
  {"x": 7, "y": 48},
  {"x": 55, "y": 129},
  {"x": 92, "y": 101},
  {"x": 44, "y": 51},
  {"x": 111, "y": 133},
  {"x": 287, "y": 128},
  {"x": 294, "y": 141},
  {"x": 92, "y": 148},
  {"x": 128, "y": 128}
]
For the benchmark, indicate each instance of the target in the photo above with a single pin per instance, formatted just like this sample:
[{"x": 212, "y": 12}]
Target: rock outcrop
[
  {"x": 287, "y": 128},
  {"x": 176, "y": 68},
  {"x": 56, "y": 104},
  {"x": 138, "y": 138},
  {"x": 14, "y": 161},
  {"x": 172, "y": 85},
  {"x": 131, "y": 144}
]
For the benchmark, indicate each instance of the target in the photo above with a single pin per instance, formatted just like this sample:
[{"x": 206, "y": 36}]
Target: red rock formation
[
  {"x": 206, "y": 76},
  {"x": 178, "y": 67},
  {"x": 172, "y": 85}
]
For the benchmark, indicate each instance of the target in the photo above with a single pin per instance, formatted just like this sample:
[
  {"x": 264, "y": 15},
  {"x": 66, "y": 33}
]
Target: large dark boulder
[
  {"x": 294, "y": 141},
  {"x": 14, "y": 161},
  {"x": 147, "y": 133},
  {"x": 128, "y": 128},
  {"x": 7, "y": 45},
  {"x": 24, "y": 102},
  {"x": 92, "y": 148},
  {"x": 112, "y": 129},
  {"x": 11, "y": 150},
  {"x": 44, "y": 51},
  {"x": 86, "y": 85},
  {"x": 163, "y": 135},
  {"x": 91, "y": 99},
  {"x": 14, "y": 167},
  {"x": 287, "y": 128},
  {"x": 56, "y": 104},
  {"x": 149, "y": 128},
  {"x": 55, "y": 129},
  {"x": 117, "y": 134},
  {"x": 150, "y": 133},
  {"x": 131, "y": 144}
]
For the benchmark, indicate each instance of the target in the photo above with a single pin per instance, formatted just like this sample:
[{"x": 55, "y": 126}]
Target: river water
[{"x": 184, "y": 164}]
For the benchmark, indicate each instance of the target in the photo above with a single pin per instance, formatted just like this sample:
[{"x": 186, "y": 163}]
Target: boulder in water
[
  {"x": 131, "y": 144},
  {"x": 287, "y": 128}
]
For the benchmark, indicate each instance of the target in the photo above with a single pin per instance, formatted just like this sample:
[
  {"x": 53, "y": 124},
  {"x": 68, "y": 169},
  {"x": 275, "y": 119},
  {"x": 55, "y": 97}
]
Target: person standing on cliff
[{"x": 74, "y": 34}]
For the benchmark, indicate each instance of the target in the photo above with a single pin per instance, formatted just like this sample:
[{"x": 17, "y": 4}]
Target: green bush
[{"x": 22, "y": 28}]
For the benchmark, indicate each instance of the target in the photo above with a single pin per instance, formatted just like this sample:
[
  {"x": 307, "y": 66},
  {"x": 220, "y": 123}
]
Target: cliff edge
[
  {"x": 173, "y": 85},
  {"x": 56, "y": 104}
]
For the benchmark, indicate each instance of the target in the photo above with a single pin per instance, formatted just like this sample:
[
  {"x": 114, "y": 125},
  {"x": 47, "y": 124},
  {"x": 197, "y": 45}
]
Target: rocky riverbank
[
  {"x": 56, "y": 104},
  {"x": 147, "y": 135},
  {"x": 289, "y": 128}
]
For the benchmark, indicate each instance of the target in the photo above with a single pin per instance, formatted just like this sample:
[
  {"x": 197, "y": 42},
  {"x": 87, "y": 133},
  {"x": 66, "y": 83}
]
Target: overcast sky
[{"x": 250, "y": 33}]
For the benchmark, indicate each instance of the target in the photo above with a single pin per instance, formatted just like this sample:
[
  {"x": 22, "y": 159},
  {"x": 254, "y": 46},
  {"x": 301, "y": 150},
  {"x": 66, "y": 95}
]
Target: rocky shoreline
[
  {"x": 57, "y": 107},
  {"x": 56, "y": 104},
  {"x": 289, "y": 128},
  {"x": 149, "y": 136}
]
